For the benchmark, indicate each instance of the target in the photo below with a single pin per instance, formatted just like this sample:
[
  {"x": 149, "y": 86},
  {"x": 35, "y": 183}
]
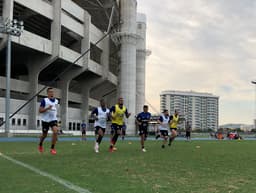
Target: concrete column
[
  {"x": 33, "y": 89},
  {"x": 56, "y": 27},
  {"x": 105, "y": 57},
  {"x": 128, "y": 59},
  {"x": 140, "y": 62},
  {"x": 85, "y": 105},
  {"x": 85, "y": 42},
  {"x": 64, "y": 86}
]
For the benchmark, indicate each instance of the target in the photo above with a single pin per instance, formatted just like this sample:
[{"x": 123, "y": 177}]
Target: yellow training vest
[
  {"x": 118, "y": 115},
  {"x": 174, "y": 121}
]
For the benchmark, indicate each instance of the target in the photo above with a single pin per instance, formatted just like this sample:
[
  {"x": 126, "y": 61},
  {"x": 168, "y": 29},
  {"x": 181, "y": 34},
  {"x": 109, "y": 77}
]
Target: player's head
[
  {"x": 50, "y": 92},
  {"x": 176, "y": 112},
  {"x": 145, "y": 108},
  {"x": 120, "y": 101},
  {"x": 102, "y": 103},
  {"x": 165, "y": 112}
]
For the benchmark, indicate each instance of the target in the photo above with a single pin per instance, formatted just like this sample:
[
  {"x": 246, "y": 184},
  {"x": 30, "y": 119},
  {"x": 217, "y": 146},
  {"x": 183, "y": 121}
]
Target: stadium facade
[
  {"x": 200, "y": 109},
  {"x": 56, "y": 33}
]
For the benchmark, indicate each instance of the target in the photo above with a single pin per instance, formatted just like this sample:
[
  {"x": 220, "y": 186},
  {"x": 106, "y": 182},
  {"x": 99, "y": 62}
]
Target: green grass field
[{"x": 217, "y": 166}]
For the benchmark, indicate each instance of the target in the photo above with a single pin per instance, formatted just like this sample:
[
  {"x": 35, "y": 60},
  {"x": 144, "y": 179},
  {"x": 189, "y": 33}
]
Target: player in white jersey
[
  {"x": 164, "y": 126},
  {"x": 101, "y": 116},
  {"x": 48, "y": 110}
]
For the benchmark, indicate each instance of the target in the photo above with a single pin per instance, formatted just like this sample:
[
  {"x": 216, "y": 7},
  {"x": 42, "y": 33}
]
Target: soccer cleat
[
  {"x": 163, "y": 146},
  {"x": 114, "y": 148},
  {"x": 143, "y": 150},
  {"x": 40, "y": 149},
  {"x": 169, "y": 144},
  {"x": 53, "y": 152}
]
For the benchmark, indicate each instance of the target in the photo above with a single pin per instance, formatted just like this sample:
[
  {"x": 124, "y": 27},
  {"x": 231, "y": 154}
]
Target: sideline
[{"x": 59, "y": 180}]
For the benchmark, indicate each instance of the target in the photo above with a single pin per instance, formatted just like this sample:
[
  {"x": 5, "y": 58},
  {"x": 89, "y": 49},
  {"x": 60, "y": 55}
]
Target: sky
[{"x": 204, "y": 46}]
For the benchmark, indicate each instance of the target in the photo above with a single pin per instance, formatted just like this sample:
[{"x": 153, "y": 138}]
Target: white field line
[{"x": 63, "y": 182}]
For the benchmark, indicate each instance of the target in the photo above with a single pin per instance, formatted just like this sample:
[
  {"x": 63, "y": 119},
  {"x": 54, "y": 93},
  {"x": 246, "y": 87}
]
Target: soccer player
[
  {"x": 101, "y": 116},
  {"x": 188, "y": 131},
  {"x": 48, "y": 110},
  {"x": 83, "y": 130},
  {"x": 117, "y": 118},
  {"x": 174, "y": 120},
  {"x": 142, "y": 120},
  {"x": 164, "y": 125}
]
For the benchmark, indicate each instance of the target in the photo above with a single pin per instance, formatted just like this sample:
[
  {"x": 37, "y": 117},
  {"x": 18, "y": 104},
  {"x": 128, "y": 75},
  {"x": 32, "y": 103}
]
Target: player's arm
[
  {"x": 112, "y": 113},
  {"x": 94, "y": 114},
  {"x": 160, "y": 120},
  {"x": 138, "y": 119},
  {"x": 127, "y": 114},
  {"x": 170, "y": 121},
  {"x": 42, "y": 108}
]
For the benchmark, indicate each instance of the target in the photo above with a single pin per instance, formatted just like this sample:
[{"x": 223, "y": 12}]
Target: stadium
[{"x": 85, "y": 49}]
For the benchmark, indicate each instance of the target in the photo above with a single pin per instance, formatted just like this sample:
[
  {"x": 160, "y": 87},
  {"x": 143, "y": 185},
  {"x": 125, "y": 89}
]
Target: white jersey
[
  {"x": 165, "y": 123},
  {"x": 51, "y": 114},
  {"x": 102, "y": 118}
]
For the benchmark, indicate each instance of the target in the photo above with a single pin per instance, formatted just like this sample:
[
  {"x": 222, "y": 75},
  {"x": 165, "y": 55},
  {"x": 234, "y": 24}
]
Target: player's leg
[
  {"x": 173, "y": 135},
  {"x": 54, "y": 127},
  {"x": 45, "y": 128}
]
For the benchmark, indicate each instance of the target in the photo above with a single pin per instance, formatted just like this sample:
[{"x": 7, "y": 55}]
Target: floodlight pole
[{"x": 9, "y": 28}]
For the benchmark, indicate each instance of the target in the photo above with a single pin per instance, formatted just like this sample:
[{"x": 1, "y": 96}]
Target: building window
[
  {"x": 78, "y": 126},
  {"x": 19, "y": 122},
  {"x": 38, "y": 123},
  {"x": 74, "y": 126},
  {"x": 24, "y": 123},
  {"x": 13, "y": 121},
  {"x": 139, "y": 26},
  {"x": 69, "y": 126},
  {"x": 1, "y": 120}
]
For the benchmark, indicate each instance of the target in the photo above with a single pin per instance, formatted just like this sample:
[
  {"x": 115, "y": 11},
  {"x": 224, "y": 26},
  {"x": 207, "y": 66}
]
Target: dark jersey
[{"x": 144, "y": 118}]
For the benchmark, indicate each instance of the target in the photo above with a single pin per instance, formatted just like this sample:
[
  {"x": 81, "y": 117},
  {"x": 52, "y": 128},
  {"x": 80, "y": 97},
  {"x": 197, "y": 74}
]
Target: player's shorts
[
  {"x": 97, "y": 128},
  {"x": 164, "y": 132},
  {"x": 115, "y": 127},
  {"x": 143, "y": 130},
  {"x": 188, "y": 133},
  {"x": 47, "y": 125},
  {"x": 173, "y": 129},
  {"x": 83, "y": 131}
]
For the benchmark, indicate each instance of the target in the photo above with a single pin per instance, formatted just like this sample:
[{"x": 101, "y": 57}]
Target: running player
[
  {"x": 174, "y": 120},
  {"x": 164, "y": 125},
  {"x": 142, "y": 120},
  {"x": 83, "y": 130},
  {"x": 48, "y": 110},
  {"x": 117, "y": 116},
  {"x": 101, "y": 115}
]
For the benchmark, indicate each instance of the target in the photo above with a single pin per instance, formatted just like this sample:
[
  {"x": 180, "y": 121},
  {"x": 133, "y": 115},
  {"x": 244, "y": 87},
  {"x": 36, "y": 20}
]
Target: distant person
[
  {"x": 163, "y": 126},
  {"x": 174, "y": 120},
  {"x": 142, "y": 120},
  {"x": 83, "y": 130},
  {"x": 48, "y": 111},
  {"x": 117, "y": 118},
  {"x": 101, "y": 116},
  {"x": 188, "y": 131}
]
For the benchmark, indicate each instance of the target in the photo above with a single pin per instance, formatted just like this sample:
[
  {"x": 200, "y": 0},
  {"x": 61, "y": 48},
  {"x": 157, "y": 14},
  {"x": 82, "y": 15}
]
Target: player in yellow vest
[
  {"x": 174, "y": 120},
  {"x": 117, "y": 118}
]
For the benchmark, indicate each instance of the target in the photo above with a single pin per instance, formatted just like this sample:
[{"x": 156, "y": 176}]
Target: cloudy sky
[{"x": 205, "y": 46}]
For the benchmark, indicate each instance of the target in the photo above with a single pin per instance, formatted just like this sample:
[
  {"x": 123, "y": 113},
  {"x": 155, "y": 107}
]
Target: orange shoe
[
  {"x": 53, "y": 152},
  {"x": 40, "y": 149}
]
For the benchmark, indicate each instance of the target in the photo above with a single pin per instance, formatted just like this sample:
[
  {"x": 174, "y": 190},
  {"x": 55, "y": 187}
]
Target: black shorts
[
  {"x": 188, "y": 133},
  {"x": 164, "y": 132},
  {"x": 115, "y": 127},
  {"x": 83, "y": 131},
  {"x": 47, "y": 125},
  {"x": 97, "y": 128},
  {"x": 143, "y": 130}
]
